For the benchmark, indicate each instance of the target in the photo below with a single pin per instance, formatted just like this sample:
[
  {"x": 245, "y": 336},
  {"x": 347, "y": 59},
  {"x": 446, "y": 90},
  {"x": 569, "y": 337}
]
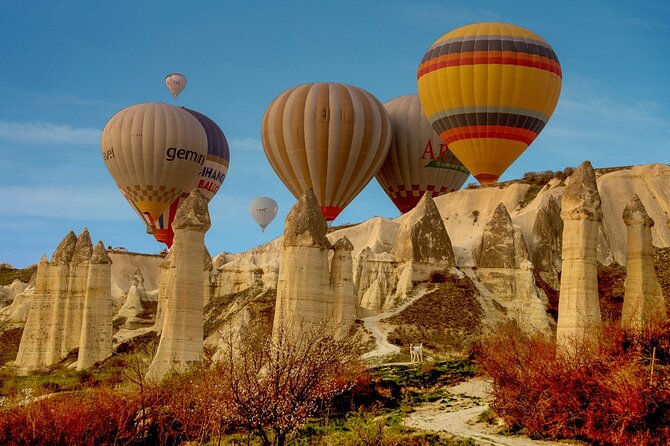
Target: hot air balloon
[
  {"x": 175, "y": 82},
  {"x": 488, "y": 89},
  {"x": 208, "y": 181},
  {"x": 153, "y": 151},
  {"x": 418, "y": 160},
  {"x": 263, "y": 210},
  {"x": 330, "y": 137}
]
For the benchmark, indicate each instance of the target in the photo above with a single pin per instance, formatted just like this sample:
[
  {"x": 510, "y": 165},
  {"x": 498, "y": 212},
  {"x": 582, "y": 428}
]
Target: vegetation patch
[
  {"x": 256, "y": 299},
  {"x": 9, "y": 344},
  {"x": 616, "y": 394},
  {"x": 9, "y": 274},
  {"x": 611, "y": 280},
  {"x": 662, "y": 262},
  {"x": 446, "y": 319}
]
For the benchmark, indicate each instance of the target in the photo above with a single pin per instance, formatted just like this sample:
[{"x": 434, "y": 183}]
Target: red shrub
[{"x": 604, "y": 397}]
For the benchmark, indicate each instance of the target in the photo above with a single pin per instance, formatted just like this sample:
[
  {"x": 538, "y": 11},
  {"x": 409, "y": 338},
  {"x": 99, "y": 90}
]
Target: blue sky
[{"x": 68, "y": 66}]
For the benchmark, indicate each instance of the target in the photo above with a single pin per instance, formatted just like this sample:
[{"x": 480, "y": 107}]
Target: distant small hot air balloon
[
  {"x": 488, "y": 89},
  {"x": 329, "y": 137},
  {"x": 418, "y": 160},
  {"x": 263, "y": 210},
  {"x": 175, "y": 82},
  {"x": 208, "y": 181},
  {"x": 154, "y": 152}
]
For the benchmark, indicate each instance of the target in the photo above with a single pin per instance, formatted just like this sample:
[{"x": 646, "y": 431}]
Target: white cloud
[
  {"x": 246, "y": 144},
  {"x": 87, "y": 203},
  {"x": 47, "y": 133}
]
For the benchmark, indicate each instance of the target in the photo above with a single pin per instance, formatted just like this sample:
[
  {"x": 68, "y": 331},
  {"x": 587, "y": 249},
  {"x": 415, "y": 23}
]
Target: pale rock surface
[
  {"x": 579, "y": 308},
  {"x": 506, "y": 271},
  {"x": 304, "y": 295},
  {"x": 643, "y": 298},
  {"x": 164, "y": 290},
  {"x": 124, "y": 266},
  {"x": 132, "y": 306},
  {"x": 181, "y": 341},
  {"x": 370, "y": 268},
  {"x": 32, "y": 351},
  {"x": 95, "y": 343},
  {"x": 342, "y": 285}
]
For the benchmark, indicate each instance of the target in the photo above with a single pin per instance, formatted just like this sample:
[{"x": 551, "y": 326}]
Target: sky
[{"x": 68, "y": 66}]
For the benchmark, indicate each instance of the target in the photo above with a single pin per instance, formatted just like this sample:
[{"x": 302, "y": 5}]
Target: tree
[{"x": 275, "y": 383}]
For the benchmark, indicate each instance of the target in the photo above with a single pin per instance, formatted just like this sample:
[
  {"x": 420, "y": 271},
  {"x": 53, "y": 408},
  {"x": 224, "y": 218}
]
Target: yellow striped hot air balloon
[
  {"x": 488, "y": 89},
  {"x": 154, "y": 152},
  {"x": 329, "y": 137},
  {"x": 418, "y": 160}
]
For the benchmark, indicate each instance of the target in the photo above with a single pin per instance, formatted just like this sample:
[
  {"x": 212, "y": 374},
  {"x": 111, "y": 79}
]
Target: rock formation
[
  {"x": 182, "y": 335},
  {"x": 578, "y": 307},
  {"x": 31, "y": 355},
  {"x": 505, "y": 270},
  {"x": 95, "y": 343},
  {"x": 422, "y": 243},
  {"x": 547, "y": 242},
  {"x": 643, "y": 298},
  {"x": 59, "y": 306},
  {"x": 132, "y": 306},
  {"x": 312, "y": 291},
  {"x": 342, "y": 285},
  {"x": 374, "y": 278},
  {"x": 303, "y": 290}
]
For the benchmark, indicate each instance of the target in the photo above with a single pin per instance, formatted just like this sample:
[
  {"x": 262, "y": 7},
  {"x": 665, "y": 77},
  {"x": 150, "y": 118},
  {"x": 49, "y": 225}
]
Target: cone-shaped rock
[
  {"x": 304, "y": 295},
  {"x": 502, "y": 244},
  {"x": 182, "y": 335},
  {"x": 578, "y": 307},
  {"x": 423, "y": 236},
  {"x": 305, "y": 225},
  {"x": 63, "y": 253},
  {"x": 643, "y": 298},
  {"x": 76, "y": 293},
  {"x": 95, "y": 343}
]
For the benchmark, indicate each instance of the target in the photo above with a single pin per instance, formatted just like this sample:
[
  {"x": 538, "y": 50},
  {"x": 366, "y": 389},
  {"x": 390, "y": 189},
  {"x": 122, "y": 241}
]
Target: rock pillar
[
  {"x": 342, "y": 284},
  {"x": 95, "y": 343},
  {"x": 58, "y": 282},
  {"x": 303, "y": 288},
  {"x": 643, "y": 302},
  {"x": 182, "y": 335},
  {"x": 76, "y": 292},
  {"x": 579, "y": 317},
  {"x": 31, "y": 355}
]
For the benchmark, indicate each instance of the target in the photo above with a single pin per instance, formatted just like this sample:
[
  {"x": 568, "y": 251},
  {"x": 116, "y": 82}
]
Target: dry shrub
[
  {"x": 96, "y": 417},
  {"x": 605, "y": 397}
]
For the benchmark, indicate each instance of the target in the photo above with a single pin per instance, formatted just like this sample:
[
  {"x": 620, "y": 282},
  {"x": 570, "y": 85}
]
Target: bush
[{"x": 606, "y": 397}]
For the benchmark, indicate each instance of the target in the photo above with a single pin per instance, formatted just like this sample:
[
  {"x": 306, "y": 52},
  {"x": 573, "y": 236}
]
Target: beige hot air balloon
[
  {"x": 418, "y": 160},
  {"x": 154, "y": 152},
  {"x": 329, "y": 137},
  {"x": 175, "y": 82}
]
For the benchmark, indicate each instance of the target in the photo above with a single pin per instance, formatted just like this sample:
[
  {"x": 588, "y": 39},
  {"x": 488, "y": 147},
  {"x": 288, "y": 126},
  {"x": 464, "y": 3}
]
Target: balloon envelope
[
  {"x": 488, "y": 89},
  {"x": 175, "y": 82},
  {"x": 329, "y": 137},
  {"x": 418, "y": 160},
  {"x": 263, "y": 210},
  {"x": 209, "y": 179},
  {"x": 153, "y": 151}
]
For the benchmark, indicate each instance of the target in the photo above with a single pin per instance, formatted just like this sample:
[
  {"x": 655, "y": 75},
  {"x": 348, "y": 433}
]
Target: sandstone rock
[
  {"x": 182, "y": 335},
  {"x": 342, "y": 285},
  {"x": 578, "y": 308},
  {"x": 305, "y": 225},
  {"x": 304, "y": 296},
  {"x": 502, "y": 244},
  {"x": 373, "y": 267},
  {"x": 95, "y": 343},
  {"x": 422, "y": 237},
  {"x": 643, "y": 298},
  {"x": 547, "y": 242},
  {"x": 32, "y": 349}
]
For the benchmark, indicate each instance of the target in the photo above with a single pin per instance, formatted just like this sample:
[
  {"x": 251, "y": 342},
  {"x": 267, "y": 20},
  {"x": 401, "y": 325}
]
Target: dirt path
[
  {"x": 457, "y": 414},
  {"x": 381, "y": 330}
]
